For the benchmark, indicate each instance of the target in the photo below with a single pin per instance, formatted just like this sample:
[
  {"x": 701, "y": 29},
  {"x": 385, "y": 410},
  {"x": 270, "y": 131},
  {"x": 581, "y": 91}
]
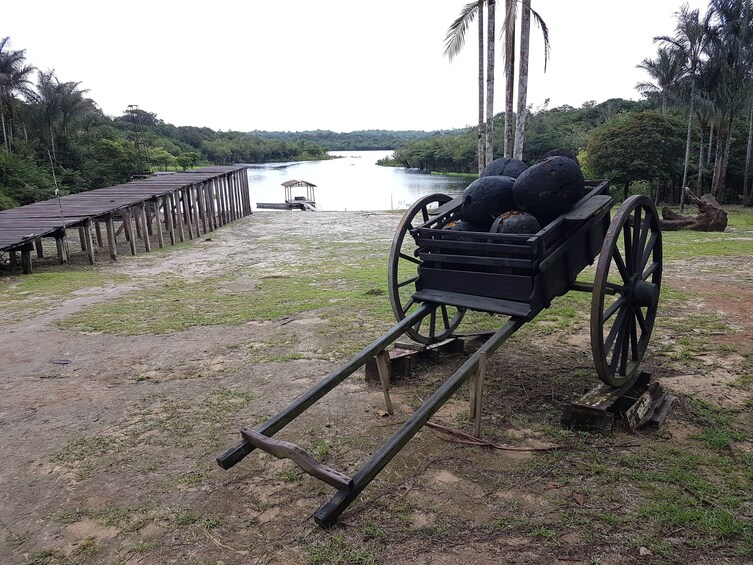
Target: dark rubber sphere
[
  {"x": 504, "y": 167},
  {"x": 461, "y": 225},
  {"x": 560, "y": 153},
  {"x": 516, "y": 221},
  {"x": 549, "y": 188},
  {"x": 485, "y": 199}
]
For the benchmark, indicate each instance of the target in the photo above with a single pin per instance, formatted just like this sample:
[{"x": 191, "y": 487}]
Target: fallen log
[{"x": 711, "y": 217}]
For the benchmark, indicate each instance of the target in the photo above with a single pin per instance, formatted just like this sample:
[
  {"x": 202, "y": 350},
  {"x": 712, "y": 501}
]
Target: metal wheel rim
[
  {"x": 629, "y": 269},
  {"x": 403, "y": 272}
]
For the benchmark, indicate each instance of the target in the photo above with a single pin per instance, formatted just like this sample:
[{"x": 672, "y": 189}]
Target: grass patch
[{"x": 337, "y": 550}]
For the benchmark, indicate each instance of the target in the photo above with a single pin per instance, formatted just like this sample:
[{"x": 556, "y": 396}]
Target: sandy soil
[{"x": 108, "y": 441}]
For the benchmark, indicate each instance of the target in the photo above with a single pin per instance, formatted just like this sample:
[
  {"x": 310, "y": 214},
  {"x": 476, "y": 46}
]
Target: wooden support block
[
  {"x": 176, "y": 205},
  {"x": 382, "y": 361},
  {"x": 149, "y": 217},
  {"x": 60, "y": 244},
  {"x": 38, "y": 245},
  {"x": 167, "y": 207},
  {"x": 82, "y": 238},
  {"x": 635, "y": 402},
  {"x": 186, "y": 198},
  {"x": 13, "y": 256},
  {"x": 400, "y": 363},
  {"x": 662, "y": 411}
]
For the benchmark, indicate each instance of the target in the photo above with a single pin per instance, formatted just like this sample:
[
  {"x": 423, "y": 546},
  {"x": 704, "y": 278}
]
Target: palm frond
[
  {"x": 455, "y": 38},
  {"x": 545, "y": 33}
]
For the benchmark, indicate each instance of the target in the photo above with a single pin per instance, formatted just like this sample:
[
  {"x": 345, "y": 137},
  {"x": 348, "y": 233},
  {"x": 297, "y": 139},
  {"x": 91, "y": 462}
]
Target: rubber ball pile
[{"x": 510, "y": 197}]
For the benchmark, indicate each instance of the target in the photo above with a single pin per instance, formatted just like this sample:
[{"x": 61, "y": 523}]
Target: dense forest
[
  {"x": 363, "y": 140},
  {"x": 693, "y": 127}
]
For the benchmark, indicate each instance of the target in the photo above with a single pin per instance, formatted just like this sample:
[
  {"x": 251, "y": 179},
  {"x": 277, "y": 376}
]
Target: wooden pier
[{"x": 188, "y": 204}]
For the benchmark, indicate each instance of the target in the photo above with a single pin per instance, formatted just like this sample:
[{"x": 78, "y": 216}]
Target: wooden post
[
  {"x": 157, "y": 224},
  {"x": 139, "y": 227},
  {"x": 60, "y": 244},
  {"x": 26, "y": 258},
  {"x": 233, "y": 201},
  {"x": 98, "y": 230},
  {"x": 38, "y": 245},
  {"x": 186, "y": 197},
  {"x": 195, "y": 197},
  {"x": 148, "y": 205},
  {"x": 213, "y": 203},
  {"x": 82, "y": 238},
  {"x": 477, "y": 393},
  {"x": 202, "y": 192},
  {"x": 221, "y": 208},
  {"x": 144, "y": 232},
  {"x": 246, "y": 191},
  {"x": 382, "y": 360},
  {"x": 111, "y": 238},
  {"x": 175, "y": 203},
  {"x": 169, "y": 217},
  {"x": 13, "y": 256},
  {"x": 88, "y": 240},
  {"x": 125, "y": 214}
]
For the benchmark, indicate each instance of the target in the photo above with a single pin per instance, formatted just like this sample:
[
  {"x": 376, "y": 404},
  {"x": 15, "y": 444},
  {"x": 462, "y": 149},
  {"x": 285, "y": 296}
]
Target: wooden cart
[{"x": 435, "y": 275}]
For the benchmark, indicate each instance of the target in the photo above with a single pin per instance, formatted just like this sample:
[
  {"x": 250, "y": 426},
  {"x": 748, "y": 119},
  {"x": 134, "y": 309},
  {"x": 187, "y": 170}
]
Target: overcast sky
[{"x": 342, "y": 65}]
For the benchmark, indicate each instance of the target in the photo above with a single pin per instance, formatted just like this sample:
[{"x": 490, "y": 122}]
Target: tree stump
[{"x": 710, "y": 216}]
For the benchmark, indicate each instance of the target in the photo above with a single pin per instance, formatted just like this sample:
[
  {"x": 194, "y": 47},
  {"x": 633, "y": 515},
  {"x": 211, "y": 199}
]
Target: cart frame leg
[
  {"x": 328, "y": 513},
  {"x": 303, "y": 402}
]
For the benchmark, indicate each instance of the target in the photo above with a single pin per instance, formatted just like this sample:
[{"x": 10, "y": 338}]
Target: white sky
[{"x": 341, "y": 65}]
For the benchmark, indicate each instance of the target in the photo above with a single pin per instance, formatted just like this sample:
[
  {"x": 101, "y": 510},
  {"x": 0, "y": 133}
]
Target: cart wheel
[
  {"x": 403, "y": 273},
  {"x": 626, "y": 291}
]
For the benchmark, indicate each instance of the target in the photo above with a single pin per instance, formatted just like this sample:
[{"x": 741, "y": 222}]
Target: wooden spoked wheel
[
  {"x": 626, "y": 291},
  {"x": 403, "y": 274}
]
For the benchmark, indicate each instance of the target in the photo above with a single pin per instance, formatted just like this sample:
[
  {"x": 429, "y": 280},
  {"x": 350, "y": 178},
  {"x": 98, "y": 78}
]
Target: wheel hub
[{"x": 643, "y": 293}]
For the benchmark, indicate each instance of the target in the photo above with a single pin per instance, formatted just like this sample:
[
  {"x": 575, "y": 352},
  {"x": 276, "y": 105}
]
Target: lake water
[{"x": 352, "y": 182}]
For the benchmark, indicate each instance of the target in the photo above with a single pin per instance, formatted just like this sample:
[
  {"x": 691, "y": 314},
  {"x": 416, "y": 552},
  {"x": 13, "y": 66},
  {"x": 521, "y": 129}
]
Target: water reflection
[{"x": 353, "y": 182}]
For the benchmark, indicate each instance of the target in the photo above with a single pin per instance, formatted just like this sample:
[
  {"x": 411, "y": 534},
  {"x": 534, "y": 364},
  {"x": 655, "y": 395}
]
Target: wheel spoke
[
  {"x": 617, "y": 288},
  {"x": 409, "y": 258},
  {"x": 433, "y": 323},
  {"x": 621, "y": 266},
  {"x": 615, "y": 328},
  {"x": 616, "y": 305},
  {"x": 633, "y": 339},
  {"x": 425, "y": 214},
  {"x": 650, "y": 271},
  {"x": 641, "y": 247},
  {"x": 641, "y": 321},
  {"x": 648, "y": 251},
  {"x": 445, "y": 317},
  {"x": 628, "y": 243},
  {"x": 407, "y": 306},
  {"x": 406, "y": 282},
  {"x": 625, "y": 346}
]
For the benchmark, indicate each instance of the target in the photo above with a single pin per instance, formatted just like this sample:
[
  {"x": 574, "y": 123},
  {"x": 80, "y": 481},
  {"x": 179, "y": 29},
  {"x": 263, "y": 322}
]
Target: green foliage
[
  {"x": 637, "y": 146},
  {"x": 22, "y": 181}
]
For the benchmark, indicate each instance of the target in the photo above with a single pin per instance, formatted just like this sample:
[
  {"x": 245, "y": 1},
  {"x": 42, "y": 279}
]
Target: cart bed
[{"x": 511, "y": 274}]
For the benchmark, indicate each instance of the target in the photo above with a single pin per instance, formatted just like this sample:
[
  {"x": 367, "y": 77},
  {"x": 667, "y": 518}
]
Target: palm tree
[
  {"x": 665, "y": 71},
  {"x": 509, "y": 54},
  {"x": 491, "y": 7},
  {"x": 454, "y": 42},
  {"x": 14, "y": 80},
  {"x": 525, "y": 34},
  {"x": 692, "y": 35},
  {"x": 731, "y": 52}
]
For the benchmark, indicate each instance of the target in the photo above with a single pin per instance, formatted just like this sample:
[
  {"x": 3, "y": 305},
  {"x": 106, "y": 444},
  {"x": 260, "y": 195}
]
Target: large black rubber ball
[
  {"x": 504, "y": 167},
  {"x": 461, "y": 225},
  {"x": 485, "y": 199},
  {"x": 516, "y": 221},
  {"x": 560, "y": 153},
  {"x": 549, "y": 188}
]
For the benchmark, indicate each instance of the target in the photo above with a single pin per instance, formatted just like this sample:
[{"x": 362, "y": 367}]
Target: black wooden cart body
[{"x": 436, "y": 274}]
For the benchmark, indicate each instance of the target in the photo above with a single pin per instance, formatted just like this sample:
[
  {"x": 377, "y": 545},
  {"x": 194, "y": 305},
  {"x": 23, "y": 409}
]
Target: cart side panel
[
  {"x": 556, "y": 277},
  {"x": 489, "y": 285}
]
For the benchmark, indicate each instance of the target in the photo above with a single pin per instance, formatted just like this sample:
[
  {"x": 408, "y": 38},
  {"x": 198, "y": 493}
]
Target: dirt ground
[{"x": 109, "y": 436}]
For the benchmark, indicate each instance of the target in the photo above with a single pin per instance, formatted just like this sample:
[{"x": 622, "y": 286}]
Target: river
[{"x": 352, "y": 182}]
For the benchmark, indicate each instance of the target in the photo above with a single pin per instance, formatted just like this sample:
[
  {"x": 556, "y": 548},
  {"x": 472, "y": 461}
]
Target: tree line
[
  {"x": 693, "y": 126},
  {"x": 52, "y": 135}
]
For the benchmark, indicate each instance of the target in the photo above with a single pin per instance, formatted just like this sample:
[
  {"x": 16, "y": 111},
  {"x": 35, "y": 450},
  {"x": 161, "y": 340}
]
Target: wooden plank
[
  {"x": 492, "y": 285},
  {"x": 592, "y": 207},
  {"x": 460, "y": 300},
  {"x": 286, "y": 450},
  {"x": 454, "y": 259},
  {"x": 383, "y": 367}
]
